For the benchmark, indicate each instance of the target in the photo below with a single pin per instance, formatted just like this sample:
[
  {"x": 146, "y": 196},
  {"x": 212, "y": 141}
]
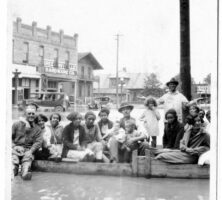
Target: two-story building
[{"x": 48, "y": 61}]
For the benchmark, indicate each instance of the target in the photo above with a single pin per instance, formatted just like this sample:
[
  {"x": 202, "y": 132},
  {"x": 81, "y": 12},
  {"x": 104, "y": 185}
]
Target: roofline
[{"x": 97, "y": 65}]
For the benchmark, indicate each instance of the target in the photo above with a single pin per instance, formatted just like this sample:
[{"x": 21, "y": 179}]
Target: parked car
[
  {"x": 203, "y": 103},
  {"x": 99, "y": 102},
  {"x": 57, "y": 100},
  {"x": 72, "y": 101}
]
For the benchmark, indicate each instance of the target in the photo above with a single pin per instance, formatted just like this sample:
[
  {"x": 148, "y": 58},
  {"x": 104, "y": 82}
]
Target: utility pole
[
  {"x": 117, "y": 69},
  {"x": 185, "y": 76},
  {"x": 16, "y": 75}
]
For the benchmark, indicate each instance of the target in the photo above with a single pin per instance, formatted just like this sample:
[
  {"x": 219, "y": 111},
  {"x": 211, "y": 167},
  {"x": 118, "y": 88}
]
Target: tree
[
  {"x": 152, "y": 86},
  {"x": 207, "y": 79}
]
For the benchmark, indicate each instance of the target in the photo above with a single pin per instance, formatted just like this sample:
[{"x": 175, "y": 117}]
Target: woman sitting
[
  {"x": 173, "y": 130},
  {"x": 195, "y": 142},
  {"x": 93, "y": 137},
  {"x": 74, "y": 142},
  {"x": 55, "y": 136}
]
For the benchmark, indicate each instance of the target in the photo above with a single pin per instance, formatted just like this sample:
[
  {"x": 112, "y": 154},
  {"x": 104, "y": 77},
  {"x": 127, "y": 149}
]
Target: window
[
  {"x": 88, "y": 90},
  {"x": 52, "y": 84},
  {"x": 82, "y": 72},
  {"x": 55, "y": 58},
  {"x": 67, "y": 56},
  {"x": 89, "y": 72},
  {"x": 41, "y": 54},
  {"x": 26, "y": 52},
  {"x": 37, "y": 83},
  {"x": 25, "y": 82}
]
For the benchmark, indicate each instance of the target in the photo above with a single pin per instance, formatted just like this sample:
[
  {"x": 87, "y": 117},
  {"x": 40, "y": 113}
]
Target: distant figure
[
  {"x": 26, "y": 139},
  {"x": 173, "y": 99},
  {"x": 151, "y": 117}
]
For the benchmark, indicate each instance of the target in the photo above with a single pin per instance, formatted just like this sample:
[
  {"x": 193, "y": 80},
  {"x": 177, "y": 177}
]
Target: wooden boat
[{"x": 141, "y": 166}]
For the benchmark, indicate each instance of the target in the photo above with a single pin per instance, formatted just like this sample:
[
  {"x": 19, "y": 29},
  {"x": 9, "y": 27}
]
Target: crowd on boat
[{"x": 86, "y": 139}]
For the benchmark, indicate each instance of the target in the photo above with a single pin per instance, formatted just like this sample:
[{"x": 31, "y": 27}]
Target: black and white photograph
[{"x": 110, "y": 100}]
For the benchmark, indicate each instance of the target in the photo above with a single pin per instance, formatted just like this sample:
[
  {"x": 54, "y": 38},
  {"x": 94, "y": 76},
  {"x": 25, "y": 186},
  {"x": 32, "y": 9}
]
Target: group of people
[{"x": 84, "y": 139}]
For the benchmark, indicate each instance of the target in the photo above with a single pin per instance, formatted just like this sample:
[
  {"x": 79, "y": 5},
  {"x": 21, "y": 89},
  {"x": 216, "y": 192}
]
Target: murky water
[{"x": 51, "y": 186}]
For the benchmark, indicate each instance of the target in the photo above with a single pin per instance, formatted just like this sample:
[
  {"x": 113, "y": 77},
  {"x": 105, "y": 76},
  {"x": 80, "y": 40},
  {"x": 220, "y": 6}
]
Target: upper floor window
[
  {"x": 26, "y": 52},
  {"x": 55, "y": 58},
  {"x": 67, "y": 57},
  {"x": 41, "y": 54},
  {"x": 89, "y": 72},
  {"x": 82, "y": 71}
]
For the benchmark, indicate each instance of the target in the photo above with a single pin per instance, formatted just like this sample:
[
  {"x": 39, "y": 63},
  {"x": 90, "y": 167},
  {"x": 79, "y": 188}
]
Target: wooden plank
[
  {"x": 134, "y": 162},
  {"x": 147, "y": 165},
  {"x": 140, "y": 166},
  {"x": 116, "y": 169},
  {"x": 162, "y": 169}
]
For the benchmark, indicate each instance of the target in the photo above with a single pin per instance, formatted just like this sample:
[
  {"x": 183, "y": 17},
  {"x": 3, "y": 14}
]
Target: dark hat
[
  {"x": 105, "y": 110},
  {"x": 125, "y": 105},
  {"x": 172, "y": 80},
  {"x": 73, "y": 115}
]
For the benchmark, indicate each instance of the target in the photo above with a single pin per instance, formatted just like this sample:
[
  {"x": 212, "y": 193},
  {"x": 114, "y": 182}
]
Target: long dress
[{"x": 151, "y": 118}]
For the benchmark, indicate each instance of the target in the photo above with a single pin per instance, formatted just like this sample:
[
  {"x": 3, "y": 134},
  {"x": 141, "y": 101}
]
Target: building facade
[{"x": 48, "y": 61}]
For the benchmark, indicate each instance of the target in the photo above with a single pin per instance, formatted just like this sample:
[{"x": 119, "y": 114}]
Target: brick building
[{"x": 48, "y": 61}]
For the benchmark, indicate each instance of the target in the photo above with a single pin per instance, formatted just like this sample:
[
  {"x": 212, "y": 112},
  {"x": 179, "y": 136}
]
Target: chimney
[
  {"x": 49, "y": 30},
  {"x": 18, "y": 24},
  {"x": 61, "y": 33},
  {"x": 34, "y": 25}
]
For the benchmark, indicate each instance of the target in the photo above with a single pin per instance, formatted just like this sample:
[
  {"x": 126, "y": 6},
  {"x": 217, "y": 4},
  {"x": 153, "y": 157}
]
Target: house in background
[
  {"x": 87, "y": 63},
  {"x": 130, "y": 86}
]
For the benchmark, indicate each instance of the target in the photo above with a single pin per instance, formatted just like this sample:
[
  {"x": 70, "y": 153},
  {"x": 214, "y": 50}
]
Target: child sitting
[
  {"x": 131, "y": 133},
  {"x": 117, "y": 132}
]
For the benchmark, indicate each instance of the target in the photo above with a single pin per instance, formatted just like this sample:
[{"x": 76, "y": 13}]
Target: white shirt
[
  {"x": 76, "y": 137},
  {"x": 173, "y": 101}
]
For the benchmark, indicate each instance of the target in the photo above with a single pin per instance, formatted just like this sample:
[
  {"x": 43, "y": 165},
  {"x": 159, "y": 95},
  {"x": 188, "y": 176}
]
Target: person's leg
[
  {"x": 26, "y": 167},
  {"x": 153, "y": 143},
  {"x": 142, "y": 147},
  {"x": 177, "y": 157},
  {"x": 15, "y": 165},
  {"x": 114, "y": 149}
]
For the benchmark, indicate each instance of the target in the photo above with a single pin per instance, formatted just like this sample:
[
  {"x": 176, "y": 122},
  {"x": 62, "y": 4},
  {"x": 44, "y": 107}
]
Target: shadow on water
[{"x": 51, "y": 186}]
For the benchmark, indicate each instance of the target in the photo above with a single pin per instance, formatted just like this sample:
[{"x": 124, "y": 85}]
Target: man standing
[
  {"x": 173, "y": 99},
  {"x": 26, "y": 139}
]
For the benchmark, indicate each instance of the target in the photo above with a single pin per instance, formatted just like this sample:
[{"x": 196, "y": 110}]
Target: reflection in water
[{"x": 51, "y": 186}]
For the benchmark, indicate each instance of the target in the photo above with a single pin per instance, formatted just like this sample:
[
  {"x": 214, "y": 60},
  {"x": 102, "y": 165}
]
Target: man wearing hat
[
  {"x": 26, "y": 139},
  {"x": 173, "y": 99},
  {"x": 137, "y": 142}
]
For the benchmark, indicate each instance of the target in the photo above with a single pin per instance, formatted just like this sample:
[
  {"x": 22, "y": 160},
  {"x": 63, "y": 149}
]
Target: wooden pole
[{"x": 185, "y": 76}]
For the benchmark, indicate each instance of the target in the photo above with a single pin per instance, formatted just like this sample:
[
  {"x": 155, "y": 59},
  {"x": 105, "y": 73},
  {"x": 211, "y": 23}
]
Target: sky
[{"x": 149, "y": 41}]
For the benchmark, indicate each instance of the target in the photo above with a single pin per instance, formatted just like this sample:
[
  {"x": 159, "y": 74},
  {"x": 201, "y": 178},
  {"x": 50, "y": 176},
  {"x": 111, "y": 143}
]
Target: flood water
[{"x": 51, "y": 186}]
